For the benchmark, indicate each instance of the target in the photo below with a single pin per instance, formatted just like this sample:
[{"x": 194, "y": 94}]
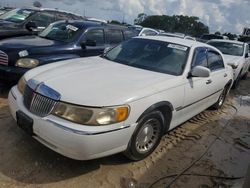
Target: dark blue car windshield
[
  {"x": 16, "y": 15},
  {"x": 62, "y": 31}
]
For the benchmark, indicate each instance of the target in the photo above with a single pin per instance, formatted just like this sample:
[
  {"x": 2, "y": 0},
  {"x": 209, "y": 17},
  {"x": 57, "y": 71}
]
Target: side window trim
[
  {"x": 216, "y": 53},
  {"x": 193, "y": 58}
]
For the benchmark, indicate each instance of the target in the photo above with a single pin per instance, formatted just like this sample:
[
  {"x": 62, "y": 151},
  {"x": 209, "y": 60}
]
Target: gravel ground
[{"x": 210, "y": 150}]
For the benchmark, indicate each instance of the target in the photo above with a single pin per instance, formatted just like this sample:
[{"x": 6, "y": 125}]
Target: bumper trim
[{"x": 84, "y": 132}]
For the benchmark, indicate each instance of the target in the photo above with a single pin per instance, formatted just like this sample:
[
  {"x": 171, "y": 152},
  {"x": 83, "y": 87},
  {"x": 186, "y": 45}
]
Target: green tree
[
  {"x": 230, "y": 36},
  {"x": 176, "y": 23},
  {"x": 140, "y": 18},
  {"x": 217, "y": 33},
  {"x": 37, "y": 4}
]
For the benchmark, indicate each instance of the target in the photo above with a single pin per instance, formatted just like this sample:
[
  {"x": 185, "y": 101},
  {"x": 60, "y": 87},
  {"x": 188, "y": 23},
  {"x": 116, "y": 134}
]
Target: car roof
[
  {"x": 180, "y": 41},
  {"x": 49, "y": 10},
  {"x": 227, "y": 41},
  {"x": 170, "y": 35},
  {"x": 87, "y": 24}
]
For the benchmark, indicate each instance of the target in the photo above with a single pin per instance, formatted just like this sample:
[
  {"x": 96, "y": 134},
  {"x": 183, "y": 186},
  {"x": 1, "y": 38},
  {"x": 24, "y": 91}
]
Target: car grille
[
  {"x": 37, "y": 103},
  {"x": 3, "y": 58}
]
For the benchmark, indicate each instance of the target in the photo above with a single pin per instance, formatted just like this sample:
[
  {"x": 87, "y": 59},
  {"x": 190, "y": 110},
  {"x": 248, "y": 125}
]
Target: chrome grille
[
  {"x": 3, "y": 58},
  {"x": 37, "y": 103}
]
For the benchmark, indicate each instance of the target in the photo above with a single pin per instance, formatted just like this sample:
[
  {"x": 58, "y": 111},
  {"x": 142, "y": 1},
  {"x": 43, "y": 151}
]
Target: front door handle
[{"x": 209, "y": 81}]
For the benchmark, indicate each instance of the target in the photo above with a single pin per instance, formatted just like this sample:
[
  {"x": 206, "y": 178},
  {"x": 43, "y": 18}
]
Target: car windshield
[
  {"x": 63, "y": 31},
  {"x": 151, "y": 55},
  {"x": 16, "y": 15},
  {"x": 170, "y": 35},
  {"x": 229, "y": 48}
]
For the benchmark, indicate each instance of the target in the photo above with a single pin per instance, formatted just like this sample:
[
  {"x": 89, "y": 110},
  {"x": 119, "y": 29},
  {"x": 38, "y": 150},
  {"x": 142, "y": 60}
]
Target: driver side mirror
[
  {"x": 199, "y": 71},
  {"x": 31, "y": 26},
  {"x": 246, "y": 55}
]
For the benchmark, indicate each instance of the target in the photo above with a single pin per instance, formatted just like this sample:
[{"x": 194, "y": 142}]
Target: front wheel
[{"x": 146, "y": 137}]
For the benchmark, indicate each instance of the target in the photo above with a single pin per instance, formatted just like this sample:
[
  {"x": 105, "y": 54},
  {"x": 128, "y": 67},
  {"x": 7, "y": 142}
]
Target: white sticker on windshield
[
  {"x": 237, "y": 45},
  {"x": 71, "y": 27},
  {"x": 26, "y": 12},
  {"x": 179, "y": 47}
]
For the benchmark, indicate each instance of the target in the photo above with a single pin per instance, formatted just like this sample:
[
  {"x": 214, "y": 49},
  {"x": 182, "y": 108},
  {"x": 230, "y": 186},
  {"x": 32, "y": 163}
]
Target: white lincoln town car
[{"x": 123, "y": 101}]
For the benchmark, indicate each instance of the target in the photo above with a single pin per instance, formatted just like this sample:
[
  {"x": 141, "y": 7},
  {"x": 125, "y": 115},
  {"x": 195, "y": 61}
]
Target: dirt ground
[{"x": 210, "y": 150}]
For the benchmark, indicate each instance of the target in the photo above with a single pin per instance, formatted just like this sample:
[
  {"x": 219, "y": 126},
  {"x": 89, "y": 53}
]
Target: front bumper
[
  {"x": 10, "y": 73},
  {"x": 72, "y": 140}
]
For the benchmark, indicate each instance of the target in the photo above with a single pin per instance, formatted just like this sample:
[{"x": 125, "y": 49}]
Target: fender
[
  {"x": 54, "y": 58},
  {"x": 166, "y": 108}
]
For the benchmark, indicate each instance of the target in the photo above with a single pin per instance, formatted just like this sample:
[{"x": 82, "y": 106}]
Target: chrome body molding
[{"x": 84, "y": 132}]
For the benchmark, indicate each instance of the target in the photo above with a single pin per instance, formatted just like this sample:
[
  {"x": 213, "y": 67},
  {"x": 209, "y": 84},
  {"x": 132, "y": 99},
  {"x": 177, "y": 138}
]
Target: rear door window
[
  {"x": 96, "y": 35},
  {"x": 114, "y": 36},
  {"x": 128, "y": 34},
  {"x": 43, "y": 19}
]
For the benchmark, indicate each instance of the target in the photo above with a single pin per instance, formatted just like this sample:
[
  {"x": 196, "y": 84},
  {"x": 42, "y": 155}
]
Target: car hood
[
  {"x": 27, "y": 42},
  {"x": 232, "y": 59},
  {"x": 95, "y": 81},
  {"x": 5, "y": 24}
]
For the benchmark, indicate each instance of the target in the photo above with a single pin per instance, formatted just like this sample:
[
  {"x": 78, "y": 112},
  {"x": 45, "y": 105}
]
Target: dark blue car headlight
[{"x": 27, "y": 63}]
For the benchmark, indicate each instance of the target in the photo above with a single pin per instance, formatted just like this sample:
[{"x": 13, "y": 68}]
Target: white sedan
[
  {"x": 122, "y": 101},
  {"x": 236, "y": 54}
]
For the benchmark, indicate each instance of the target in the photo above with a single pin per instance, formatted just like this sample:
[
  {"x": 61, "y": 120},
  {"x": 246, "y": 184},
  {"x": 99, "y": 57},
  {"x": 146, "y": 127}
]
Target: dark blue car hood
[
  {"x": 4, "y": 23},
  {"x": 27, "y": 42}
]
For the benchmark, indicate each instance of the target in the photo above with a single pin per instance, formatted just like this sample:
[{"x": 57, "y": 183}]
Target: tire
[
  {"x": 244, "y": 77},
  {"x": 236, "y": 82},
  {"x": 146, "y": 137},
  {"x": 221, "y": 99}
]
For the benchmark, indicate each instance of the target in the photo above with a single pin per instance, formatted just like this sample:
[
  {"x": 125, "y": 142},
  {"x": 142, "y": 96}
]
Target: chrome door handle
[
  {"x": 209, "y": 82},
  {"x": 225, "y": 75}
]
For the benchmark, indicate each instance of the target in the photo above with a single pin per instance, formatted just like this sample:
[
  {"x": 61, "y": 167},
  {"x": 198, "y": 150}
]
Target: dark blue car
[{"x": 59, "y": 41}]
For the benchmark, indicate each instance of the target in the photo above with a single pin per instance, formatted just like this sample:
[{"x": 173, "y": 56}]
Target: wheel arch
[{"x": 166, "y": 108}]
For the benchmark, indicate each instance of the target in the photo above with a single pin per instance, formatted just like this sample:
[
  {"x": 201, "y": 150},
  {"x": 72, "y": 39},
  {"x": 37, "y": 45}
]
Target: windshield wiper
[{"x": 45, "y": 37}]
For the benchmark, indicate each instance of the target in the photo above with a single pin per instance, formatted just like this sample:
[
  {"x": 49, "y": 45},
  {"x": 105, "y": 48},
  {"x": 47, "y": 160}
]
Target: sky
[{"x": 220, "y": 15}]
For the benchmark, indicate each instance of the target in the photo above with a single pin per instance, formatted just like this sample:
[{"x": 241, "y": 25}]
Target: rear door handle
[{"x": 209, "y": 82}]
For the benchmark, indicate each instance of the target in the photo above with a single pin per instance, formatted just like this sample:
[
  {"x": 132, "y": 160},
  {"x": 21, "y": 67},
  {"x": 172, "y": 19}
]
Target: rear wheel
[
  {"x": 236, "y": 82},
  {"x": 244, "y": 77},
  {"x": 146, "y": 137},
  {"x": 221, "y": 99}
]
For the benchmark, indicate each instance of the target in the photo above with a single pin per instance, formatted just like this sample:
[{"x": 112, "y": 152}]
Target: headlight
[
  {"x": 91, "y": 116},
  {"x": 21, "y": 85},
  {"x": 27, "y": 63}
]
